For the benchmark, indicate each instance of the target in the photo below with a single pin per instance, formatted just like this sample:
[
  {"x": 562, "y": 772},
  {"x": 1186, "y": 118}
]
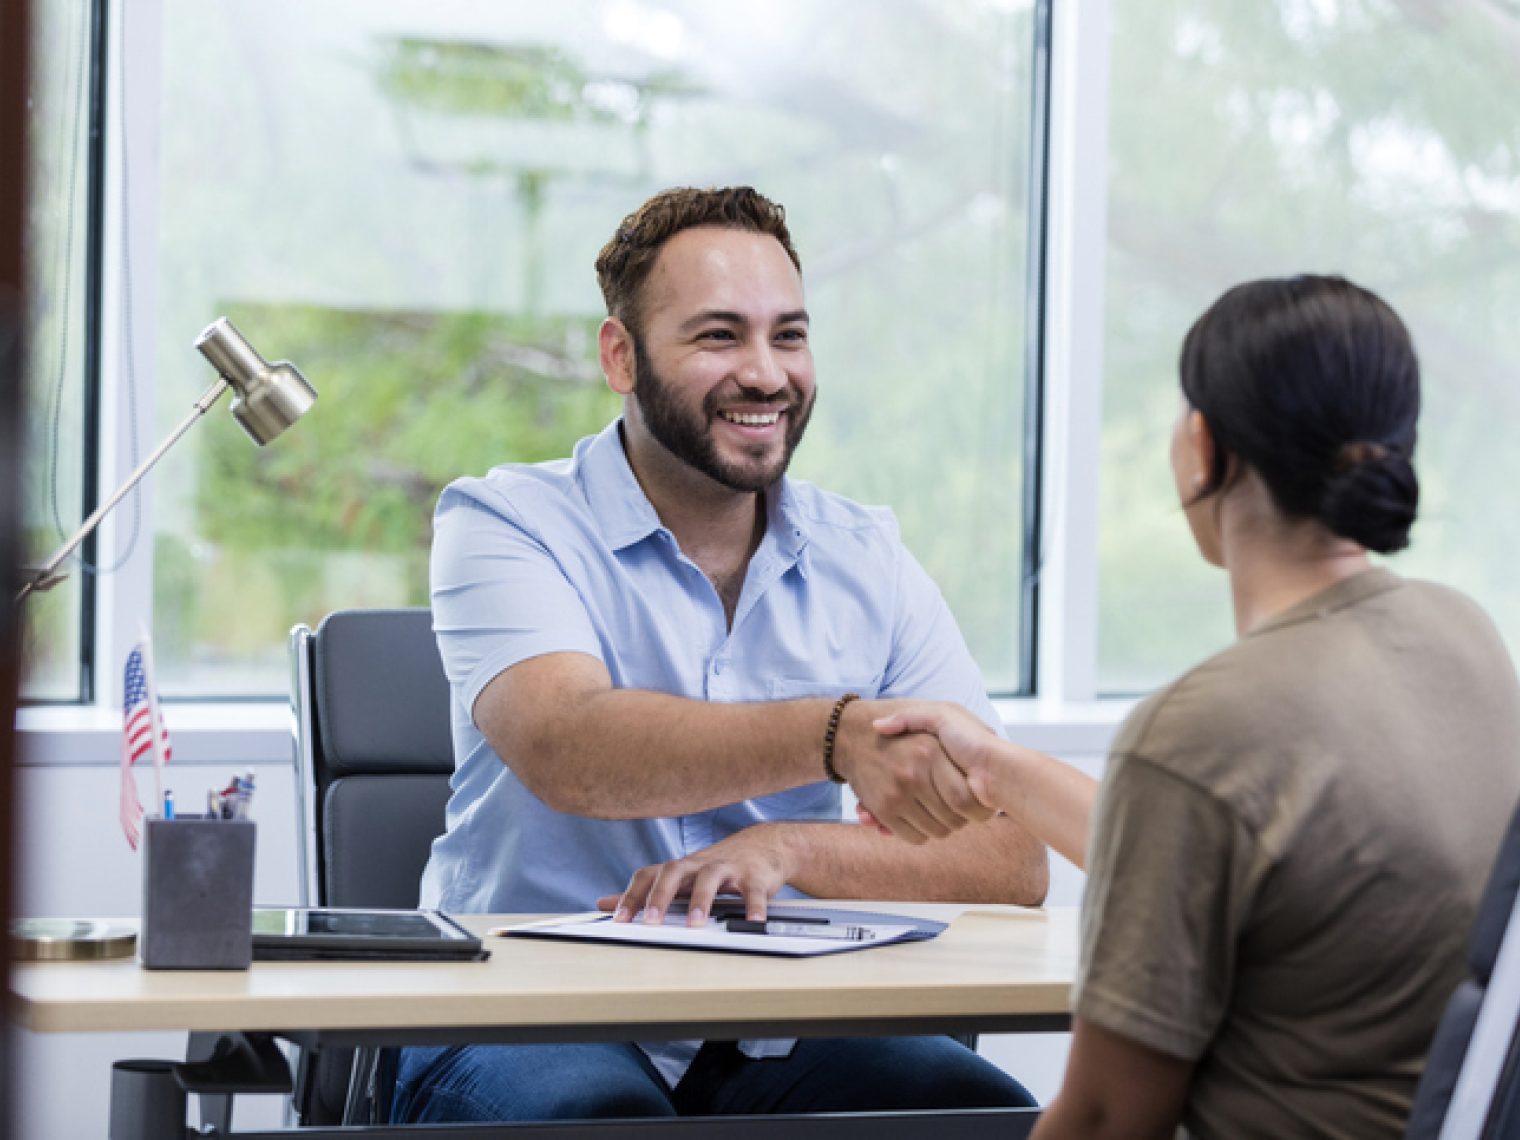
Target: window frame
[
  {"x": 94, "y": 79},
  {"x": 1066, "y": 632},
  {"x": 125, "y": 596}
]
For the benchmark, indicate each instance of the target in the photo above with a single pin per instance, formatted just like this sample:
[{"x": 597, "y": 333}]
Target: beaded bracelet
[{"x": 831, "y": 733}]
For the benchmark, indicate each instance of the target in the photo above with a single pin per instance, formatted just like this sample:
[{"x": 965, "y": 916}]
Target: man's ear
[{"x": 615, "y": 344}]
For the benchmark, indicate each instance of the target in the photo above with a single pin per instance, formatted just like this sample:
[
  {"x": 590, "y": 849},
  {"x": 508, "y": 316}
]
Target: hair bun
[{"x": 1373, "y": 500}]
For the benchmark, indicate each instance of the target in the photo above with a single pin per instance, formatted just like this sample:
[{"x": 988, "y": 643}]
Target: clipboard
[{"x": 875, "y": 929}]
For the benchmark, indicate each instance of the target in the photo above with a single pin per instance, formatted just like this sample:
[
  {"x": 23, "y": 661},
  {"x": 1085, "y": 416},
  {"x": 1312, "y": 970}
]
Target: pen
[
  {"x": 816, "y": 928},
  {"x": 237, "y": 797},
  {"x": 723, "y": 910},
  {"x": 233, "y": 801},
  {"x": 169, "y": 804}
]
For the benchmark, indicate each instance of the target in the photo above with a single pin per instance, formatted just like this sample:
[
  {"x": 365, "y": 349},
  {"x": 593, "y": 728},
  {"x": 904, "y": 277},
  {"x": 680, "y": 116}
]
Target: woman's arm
[
  {"x": 1115, "y": 1089},
  {"x": 1052, "y": 800}
]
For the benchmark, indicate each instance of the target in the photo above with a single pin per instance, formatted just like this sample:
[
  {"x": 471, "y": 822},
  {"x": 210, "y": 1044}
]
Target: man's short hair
[{"x": 625, "y": 261}]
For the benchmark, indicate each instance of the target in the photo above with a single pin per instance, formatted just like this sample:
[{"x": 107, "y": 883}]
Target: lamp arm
[{"x": 46, "y": 576}]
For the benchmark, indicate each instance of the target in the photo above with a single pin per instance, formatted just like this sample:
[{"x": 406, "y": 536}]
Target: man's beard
[{"x": 688, "y": 437}]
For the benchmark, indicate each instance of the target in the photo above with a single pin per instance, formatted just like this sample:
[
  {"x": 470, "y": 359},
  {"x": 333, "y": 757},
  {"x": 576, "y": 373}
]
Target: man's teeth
[{"x": 751, "y": 419}]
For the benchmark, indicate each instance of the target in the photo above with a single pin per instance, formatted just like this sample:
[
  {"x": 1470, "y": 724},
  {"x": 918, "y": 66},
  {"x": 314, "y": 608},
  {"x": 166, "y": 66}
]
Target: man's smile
[{"x": 752, "y": 419}]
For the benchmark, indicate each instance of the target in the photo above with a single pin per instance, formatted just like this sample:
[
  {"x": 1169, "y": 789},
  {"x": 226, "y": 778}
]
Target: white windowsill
[
  {"x": 1064, "y": 728},
  {"x": 261, "y": 732},
  {"x": 212, "y": 733}
]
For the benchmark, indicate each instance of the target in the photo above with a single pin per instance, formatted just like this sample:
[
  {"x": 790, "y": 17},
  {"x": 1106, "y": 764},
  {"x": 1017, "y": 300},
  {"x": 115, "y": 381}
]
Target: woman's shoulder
[
  {"x": 1199, "y": 704},
  {"x": 1302, "y": 679},
  {"x": 1446, "y": 602}
]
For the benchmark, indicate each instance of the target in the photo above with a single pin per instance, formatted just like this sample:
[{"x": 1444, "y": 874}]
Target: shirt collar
[
  {"x": 1347, "y": 592},
  {"x": 785, "y": 524},
  {"x": 623, "y": 512},
  {"x": 625, "y": 515}
]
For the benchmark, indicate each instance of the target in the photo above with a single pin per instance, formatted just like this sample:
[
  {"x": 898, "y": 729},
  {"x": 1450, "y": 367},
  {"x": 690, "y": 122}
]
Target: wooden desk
[{"x": 996, "y": 969}]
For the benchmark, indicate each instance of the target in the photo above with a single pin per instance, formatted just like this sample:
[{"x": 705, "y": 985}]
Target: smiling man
[{"x": 660, "y": 650}]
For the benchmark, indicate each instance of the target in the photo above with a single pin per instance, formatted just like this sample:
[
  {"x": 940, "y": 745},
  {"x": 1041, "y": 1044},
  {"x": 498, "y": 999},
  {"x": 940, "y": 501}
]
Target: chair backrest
[
  {"x": 1471, "y": 1084},
  {"x": 372, "y": 728},
  {"x": 371, "y": 706}
]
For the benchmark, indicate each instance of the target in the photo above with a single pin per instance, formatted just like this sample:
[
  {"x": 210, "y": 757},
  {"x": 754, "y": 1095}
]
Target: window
[
  {"x": 58, "y": 239},
  {"x": 406, "y": 201},
  {"x": 1338, "y": 136}
]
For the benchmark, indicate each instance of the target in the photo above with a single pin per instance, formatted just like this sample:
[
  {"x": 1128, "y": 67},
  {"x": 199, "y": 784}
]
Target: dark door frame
[{"x": 15, "y": 46}]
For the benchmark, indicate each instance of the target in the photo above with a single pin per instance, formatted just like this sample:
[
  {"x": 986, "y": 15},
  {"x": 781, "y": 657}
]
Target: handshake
[{"x": 921, "y": 769}]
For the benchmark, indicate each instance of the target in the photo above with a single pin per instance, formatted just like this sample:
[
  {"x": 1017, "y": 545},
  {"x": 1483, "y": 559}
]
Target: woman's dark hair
[{"x": 1313, "y": 383}]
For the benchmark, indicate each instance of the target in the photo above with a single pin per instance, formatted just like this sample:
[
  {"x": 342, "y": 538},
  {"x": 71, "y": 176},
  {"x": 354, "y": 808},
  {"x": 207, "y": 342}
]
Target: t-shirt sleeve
[
  {"x": 929, "y": 657},
  {"x": 499, "y": 596},
  {"x": 1170, "y": 874}
]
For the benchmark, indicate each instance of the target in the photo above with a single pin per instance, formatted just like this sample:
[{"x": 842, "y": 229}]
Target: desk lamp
[{"x": 269, "y": 398}]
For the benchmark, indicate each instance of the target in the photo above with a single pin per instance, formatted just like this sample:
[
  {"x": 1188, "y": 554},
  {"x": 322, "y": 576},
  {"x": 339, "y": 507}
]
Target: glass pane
[
  {"x": 55, "y": 235},
  {"x": 406, "y": 200},
  {"x": 1334, "y": 136}
]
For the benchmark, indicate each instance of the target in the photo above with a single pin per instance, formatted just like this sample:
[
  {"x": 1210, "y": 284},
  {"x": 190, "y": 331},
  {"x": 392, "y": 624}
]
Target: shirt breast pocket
[{"x": 801, "y": 688}]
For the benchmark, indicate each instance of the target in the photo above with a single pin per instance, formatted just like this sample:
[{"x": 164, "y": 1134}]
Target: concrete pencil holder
[{"x": 197, "y": 894}]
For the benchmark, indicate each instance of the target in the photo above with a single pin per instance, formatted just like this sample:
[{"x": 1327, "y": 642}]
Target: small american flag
[
  {"x": 140, "y": 716},
  {"x": 140, "y": 710}
]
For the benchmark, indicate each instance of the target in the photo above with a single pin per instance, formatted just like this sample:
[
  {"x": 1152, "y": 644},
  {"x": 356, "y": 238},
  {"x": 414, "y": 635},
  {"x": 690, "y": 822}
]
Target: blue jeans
[{"x": 568, "y": 1082}]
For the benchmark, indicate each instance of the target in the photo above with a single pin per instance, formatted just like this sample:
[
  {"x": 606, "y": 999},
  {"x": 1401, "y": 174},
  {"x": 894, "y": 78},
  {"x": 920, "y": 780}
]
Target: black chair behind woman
[{"x": 1471, "y": 1085}]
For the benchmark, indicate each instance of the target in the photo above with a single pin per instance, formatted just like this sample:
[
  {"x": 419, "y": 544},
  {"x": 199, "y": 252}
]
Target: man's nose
[{"x": 762, "y": 371}]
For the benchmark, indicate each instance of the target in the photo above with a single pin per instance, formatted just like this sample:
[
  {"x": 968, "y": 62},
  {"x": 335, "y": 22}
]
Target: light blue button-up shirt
[{"x": 570, "y": 556}]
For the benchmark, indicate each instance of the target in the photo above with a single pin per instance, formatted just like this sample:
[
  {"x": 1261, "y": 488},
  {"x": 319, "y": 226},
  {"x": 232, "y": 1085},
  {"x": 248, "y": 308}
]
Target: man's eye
[
  {"x": 793, "y": 336},
  {"x": 716, "y": 335}
]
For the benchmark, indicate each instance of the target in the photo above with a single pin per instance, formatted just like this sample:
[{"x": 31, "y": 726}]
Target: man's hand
[
  {"x": 905, "y": 780},
  {"x": 970, "y": 744},
  {"x": 1051, "y": 800},
  {"x": 962, "y": 736},
  {"x": 754, "y": 863}
]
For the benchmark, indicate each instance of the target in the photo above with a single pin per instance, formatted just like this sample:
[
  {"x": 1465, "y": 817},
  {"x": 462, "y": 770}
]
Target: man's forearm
[
  {"x": 588, "y": 749},
  {"x": 997, "y": 861},
  {"x": 628, "y": 753}
]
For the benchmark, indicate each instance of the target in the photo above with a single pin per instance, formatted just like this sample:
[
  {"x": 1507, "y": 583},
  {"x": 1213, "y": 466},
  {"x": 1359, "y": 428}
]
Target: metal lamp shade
[{"x": 269, "y": 398}]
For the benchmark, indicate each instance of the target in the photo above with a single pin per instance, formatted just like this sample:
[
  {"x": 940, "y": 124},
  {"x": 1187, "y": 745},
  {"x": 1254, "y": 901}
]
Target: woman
[{"x": 1287, "y": 849}]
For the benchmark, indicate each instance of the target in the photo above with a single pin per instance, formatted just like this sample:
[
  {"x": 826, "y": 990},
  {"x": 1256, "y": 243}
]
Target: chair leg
[{"x": 370, "y": 1085}]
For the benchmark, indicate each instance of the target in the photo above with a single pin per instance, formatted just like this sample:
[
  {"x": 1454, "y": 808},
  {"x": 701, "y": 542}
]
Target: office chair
[
  {"x": 371, "y": 706},
  {"x": 1471, "y": 1084}
]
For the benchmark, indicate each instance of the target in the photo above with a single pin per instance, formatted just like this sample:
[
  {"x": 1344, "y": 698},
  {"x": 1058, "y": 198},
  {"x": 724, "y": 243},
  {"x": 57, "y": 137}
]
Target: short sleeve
[
  {"x": 930, "y": 659},
  {"x": 1171, "y": 872},
  {"x": 499, "y": 596}
]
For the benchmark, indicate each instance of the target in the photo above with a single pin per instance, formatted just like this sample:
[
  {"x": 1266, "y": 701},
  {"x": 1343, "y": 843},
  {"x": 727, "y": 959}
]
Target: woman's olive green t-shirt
[{"x": 1287, "y": 854}]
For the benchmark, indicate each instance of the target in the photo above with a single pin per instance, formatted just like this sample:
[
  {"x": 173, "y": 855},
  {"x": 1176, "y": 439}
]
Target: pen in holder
[{"x": 197, "y": 894}]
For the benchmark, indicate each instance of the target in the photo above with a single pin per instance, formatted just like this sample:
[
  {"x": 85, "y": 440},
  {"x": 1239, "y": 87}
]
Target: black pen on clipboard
[{"x": 791, "y": 928}]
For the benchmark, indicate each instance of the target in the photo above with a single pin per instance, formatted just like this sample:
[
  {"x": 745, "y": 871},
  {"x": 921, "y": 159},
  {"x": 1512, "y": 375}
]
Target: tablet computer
[{"x": 331, "y": 932}]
